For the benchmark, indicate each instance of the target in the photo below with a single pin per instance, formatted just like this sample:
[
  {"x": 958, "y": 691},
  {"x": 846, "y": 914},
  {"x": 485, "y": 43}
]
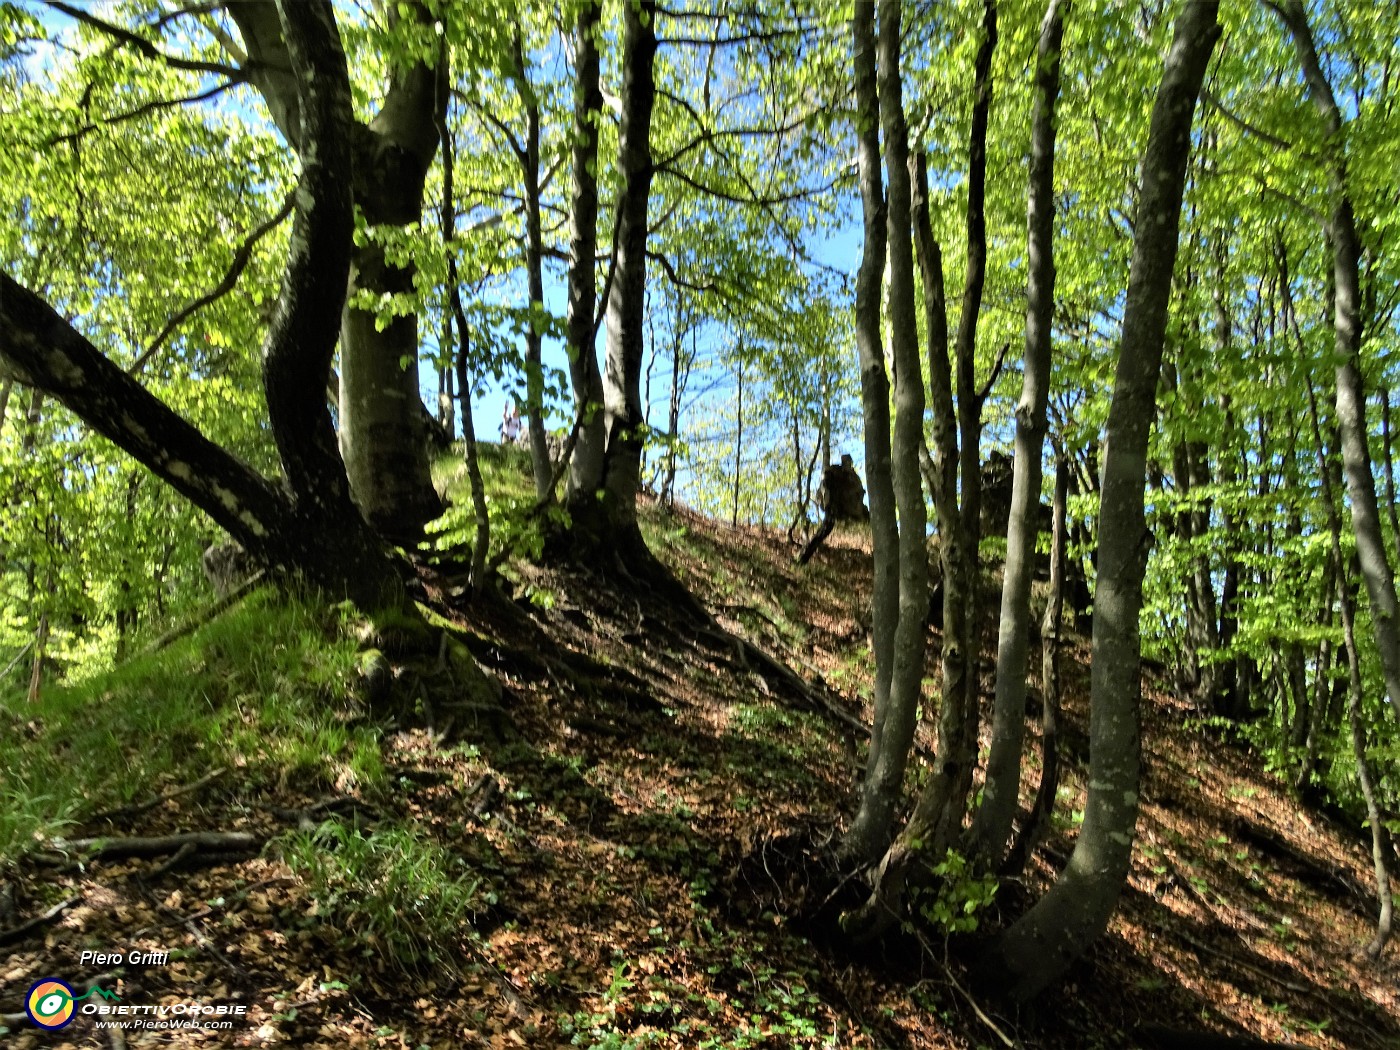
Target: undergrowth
[{"x": 261, "y": 689}]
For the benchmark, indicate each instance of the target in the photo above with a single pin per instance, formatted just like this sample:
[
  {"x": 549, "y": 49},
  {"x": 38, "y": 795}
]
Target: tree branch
[
  {"x": 241, "y": 258},
  {"x": 149, "y": 107},
  {"x": 141, "y": 44}
]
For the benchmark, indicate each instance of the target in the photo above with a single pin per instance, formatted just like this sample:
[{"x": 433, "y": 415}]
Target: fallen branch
[
  {"x": 48, "y": 918},
  {"x": 107, "y": 848},
  {"x": 227, "y": 601},
  {"x": 136, "y": 809}
]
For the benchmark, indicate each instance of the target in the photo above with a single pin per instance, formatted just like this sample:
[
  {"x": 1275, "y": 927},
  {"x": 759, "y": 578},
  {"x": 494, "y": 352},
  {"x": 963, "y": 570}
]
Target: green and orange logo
[{"x": 50, "y": 1003}]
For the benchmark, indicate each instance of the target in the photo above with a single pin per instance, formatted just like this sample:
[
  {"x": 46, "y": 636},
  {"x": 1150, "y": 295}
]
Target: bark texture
[
  {"x": 892, "y": 734},
  {"x": 992, "y": 826},
  {"x": 1351, "y": 398},
  {"x": 604, "y": 506},
  {"x": 586, "y": 463},
  {"x": 309, "y": 525},
  {"x": 870, "y": 831},
  {"x": 382, "y": 420},
  {"x": 1042, "y": 944}
]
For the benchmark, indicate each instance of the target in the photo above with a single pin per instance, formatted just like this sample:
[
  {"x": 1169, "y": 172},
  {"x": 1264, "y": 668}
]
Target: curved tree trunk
[
  {"x": 1043, "y": 943},
  {"x": 382, "y": 432},
  {"x": 1351, "y": 399},
  {"x": 992, "y": 826},
  {"x": 311, "y": 526},
  {"x": 892, "y": 734},
  {"x": 586, "y": 463}
]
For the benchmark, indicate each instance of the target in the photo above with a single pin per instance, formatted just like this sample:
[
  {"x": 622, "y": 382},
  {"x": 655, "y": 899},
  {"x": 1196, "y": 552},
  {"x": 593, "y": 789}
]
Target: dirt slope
[{"x": 639, "y": 819}]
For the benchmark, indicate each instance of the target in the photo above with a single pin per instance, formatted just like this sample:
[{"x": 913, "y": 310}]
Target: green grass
[
  {"x": 260, "y": 690},
  {"x": 393, "y": 895},
  {"x": 510, "y": 494}
]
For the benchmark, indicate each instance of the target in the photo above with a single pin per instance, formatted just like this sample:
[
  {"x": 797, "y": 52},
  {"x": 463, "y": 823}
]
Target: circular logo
[{"x": 49, "y": 1003}]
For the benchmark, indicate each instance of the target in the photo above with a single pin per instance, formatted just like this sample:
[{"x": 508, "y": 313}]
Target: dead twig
[
  {"x": 48, "y": 918},
  {"x": 136, "y": 809}
]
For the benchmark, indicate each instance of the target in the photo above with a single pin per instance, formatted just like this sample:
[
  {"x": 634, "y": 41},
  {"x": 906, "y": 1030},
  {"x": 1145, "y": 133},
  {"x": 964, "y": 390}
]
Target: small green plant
[
  {"x": 955, "y": 901},
  {"x": 400, "y": 898}
]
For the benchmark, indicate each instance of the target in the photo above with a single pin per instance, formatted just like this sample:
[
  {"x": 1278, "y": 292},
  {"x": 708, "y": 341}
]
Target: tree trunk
[
  {"x": 992, "y": 826},
  {"x": 609, "y": 521},
  {"x": 534, "y": 277},
  {"x": 586, "y": 463},
  {"x": 1351, "y": 401},
  {"x": 738, "y": 445},
  {"x": 1050, "y": 628},
  {"x": 870, "y": 830},
  {"x": 315, "y": 529},
  {"x": 892, "y": 734},
  {"x": 1380, "y": 843},
  {"x": 461, "y": 359},
  {"x": 1047, "y": 939},
  {"x": 382, "y": 435}
]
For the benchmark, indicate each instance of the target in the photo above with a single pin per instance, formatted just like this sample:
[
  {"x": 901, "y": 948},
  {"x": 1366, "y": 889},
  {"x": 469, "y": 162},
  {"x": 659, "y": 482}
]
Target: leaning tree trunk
[
  {"x": 992, "y": 826},
  {"x": 1380, "y": 843},
  {"x": 870, "y": 831},
  {"x": 311, "y": 526},
  {"x": 1351, "y": 400},
  {"x": 1048, "y": 938}
]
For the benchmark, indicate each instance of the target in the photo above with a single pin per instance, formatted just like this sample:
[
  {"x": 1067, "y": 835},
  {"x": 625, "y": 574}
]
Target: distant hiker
[
  {"x": 510, "y": 423},
  {"x": 841, "y": 497}
]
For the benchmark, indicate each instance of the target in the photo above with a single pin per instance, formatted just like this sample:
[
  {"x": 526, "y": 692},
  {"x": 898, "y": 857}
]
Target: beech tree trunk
[
  {"x": 383, "y": 437},
  {"x": 992, "y": 826},
  {"x": 534, "y": 276},
  {"x": 603, "y": 507},
  {"x": 1351, "y": 400},
  {"x": 1039, "y": 947},
  {"x": 892, "y": 734},
  {"x": 871, "y": 829},
  {"x": 309, "y": 526},
  {"x": 1380, "y": 842},
  {"x": 586, "y": 463}
]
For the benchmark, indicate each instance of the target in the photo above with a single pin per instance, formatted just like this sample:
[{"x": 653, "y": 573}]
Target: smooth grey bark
[
  {"x": 991, "y": 827},
  {"x": 586, "y": 462},
  {"x": 938, "y": 816},
  {"x": 1380, "y": 841},
  {"x": 1042, "y": 944},
  {"x": 529, "y": 157},
  {"x": 603, "y": 506},
  {"x": 309, "y": 525},
  {"x": 1351, "y": 399},
  {"x": 892, "y": 733},
  {"x": 870, "y": 830},
  {"x": 383, "y": 438},
  {"x": 1039, "y": 820}
]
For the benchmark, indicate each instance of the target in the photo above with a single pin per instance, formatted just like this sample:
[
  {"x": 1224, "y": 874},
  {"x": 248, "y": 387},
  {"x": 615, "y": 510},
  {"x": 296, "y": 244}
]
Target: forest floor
[{"x": 631, "y": 832}]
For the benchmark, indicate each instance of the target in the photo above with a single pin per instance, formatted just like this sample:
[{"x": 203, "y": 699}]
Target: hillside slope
[{"x": 630, "y": 832}]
